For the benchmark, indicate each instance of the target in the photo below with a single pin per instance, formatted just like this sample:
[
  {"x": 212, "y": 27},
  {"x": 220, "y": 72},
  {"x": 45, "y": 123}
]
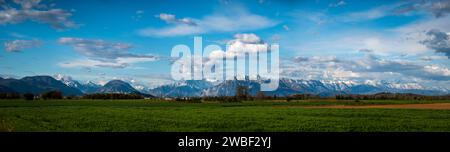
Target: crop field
[{"x": 248, "y": 116}]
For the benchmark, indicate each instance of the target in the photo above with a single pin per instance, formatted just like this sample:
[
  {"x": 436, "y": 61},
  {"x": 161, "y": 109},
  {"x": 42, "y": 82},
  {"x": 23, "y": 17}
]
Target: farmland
[{"x": 268, "y": 116}]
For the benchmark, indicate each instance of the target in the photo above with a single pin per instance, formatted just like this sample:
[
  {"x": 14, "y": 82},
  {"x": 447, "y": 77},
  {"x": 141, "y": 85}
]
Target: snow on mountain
[
  {"x": 190, "y": 88},
  {"x": 67, "y": 80},
  {"x": 186, "y": 88},
  {"x": 228, "y": 88},
  {"x": 36, "y": 85},
  {"x": 323, "y": 88},
  {"x": 88, "y": 87}
]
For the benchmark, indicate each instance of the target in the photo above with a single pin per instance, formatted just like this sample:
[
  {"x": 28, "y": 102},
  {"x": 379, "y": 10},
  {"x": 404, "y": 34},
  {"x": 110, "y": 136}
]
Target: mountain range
[
  {"x": 289, "y": 87},
  {"x": 322, "y": 88},
  {"x": 69, "y": 87},
  {"x": 37, "y": 85},
  {"x": 194, "y": 88}
]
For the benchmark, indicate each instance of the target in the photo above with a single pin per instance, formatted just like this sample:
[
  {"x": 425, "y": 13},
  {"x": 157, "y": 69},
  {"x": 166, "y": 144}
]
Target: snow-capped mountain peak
[{"x": 67, "y": 80}]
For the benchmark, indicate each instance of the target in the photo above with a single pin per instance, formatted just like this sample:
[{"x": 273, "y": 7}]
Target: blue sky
[{"x": 100, "y": 40}]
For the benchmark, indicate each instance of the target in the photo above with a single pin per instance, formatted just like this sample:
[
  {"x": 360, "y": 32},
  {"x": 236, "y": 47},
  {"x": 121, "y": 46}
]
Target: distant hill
[
  {"x": 118, "y": 86},
  {"x": 38, "y": 85},
  {"x": 113, "y": 86}
]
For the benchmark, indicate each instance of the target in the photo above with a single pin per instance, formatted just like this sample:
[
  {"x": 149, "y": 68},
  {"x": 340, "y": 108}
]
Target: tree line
[
  {"x": 241, "y": 94},
  {"x": 390, "y": 96},
  {"x": 59, "y": 95}
]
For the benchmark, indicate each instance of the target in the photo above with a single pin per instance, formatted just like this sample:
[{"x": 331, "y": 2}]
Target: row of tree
[
  {"x": 58, "y": 95},
  {"x": 391, "y": 96},
  {"x": 242, "y": 93},
  {"x": 30, "y": 96},
  {"x": 113, "y": 96}
]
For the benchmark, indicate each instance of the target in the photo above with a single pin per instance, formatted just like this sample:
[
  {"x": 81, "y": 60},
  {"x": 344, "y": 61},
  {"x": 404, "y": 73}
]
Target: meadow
[{"x": 247, "y": 116}]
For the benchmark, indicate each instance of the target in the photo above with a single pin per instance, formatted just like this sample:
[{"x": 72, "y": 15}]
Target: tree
[
  {"x": 9, "y": 96},
  {"x": 242, "y": 92},
  {"x": 261, "y": 95},
  {"x": 52, "y": 95},
  {"x": 112, "y": 96},
  {"x": 28, "y": 96}
]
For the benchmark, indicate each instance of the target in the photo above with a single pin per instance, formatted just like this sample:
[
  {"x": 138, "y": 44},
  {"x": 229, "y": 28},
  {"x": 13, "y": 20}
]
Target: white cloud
[
  {"x": 121, "y": 62},
  {"x": 437, "y": 8},
  {"x": 440, "y": 8},
  {"x": 87, "y": 63},
  {"x": 237, "y": 20},
  {"x": 101, "y": 53},
  {"x": 170, "y": 18},
  {"x": 247, "y": 38},
  {"x": 368, "y": 67},
  {"x": 237, "y": 47},
  {"x": 246, "y": 42},
  {"x": 438, "y": 41},
  {"x": 35, "y": 11},
  {"x": 20, "y": 45},
  {"x": 100, "y": 49},
  {"x": 354, "y": 41},
  {"x": 371, "y": 14},
  {"x": 438, "y": 70}
]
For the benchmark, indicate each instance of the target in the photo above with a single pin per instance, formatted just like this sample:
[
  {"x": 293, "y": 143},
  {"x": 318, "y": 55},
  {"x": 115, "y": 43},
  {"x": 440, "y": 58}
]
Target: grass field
[{"x": 148, "y": 115}]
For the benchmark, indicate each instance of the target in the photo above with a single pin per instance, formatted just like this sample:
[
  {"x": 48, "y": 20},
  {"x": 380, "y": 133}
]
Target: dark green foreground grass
[{"x": 142, "y": 115}]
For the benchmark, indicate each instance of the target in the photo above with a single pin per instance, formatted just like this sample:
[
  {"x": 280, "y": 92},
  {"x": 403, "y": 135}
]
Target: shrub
[
  {"x": 242, "y": 92},
  {"x": 28, "y": 96},
  {"x": 112, "y": 96},
  {"x": 52, "y": 95},
  {"x": 9, "y": 96}
]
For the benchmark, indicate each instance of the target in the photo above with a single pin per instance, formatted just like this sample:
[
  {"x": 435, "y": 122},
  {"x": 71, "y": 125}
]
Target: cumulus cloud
[
  {"x": 374, "y": 64},
  {"x": 35, "y": 11},
  {"x": 437, "y": 8},
  {"x": 238, "y": 47},
  {"x": 406, "y": 68},
  {"x": 20, "y": 45},
  {"x": 241, "y": 44},
  {"x": 438, "y": 41},
  {"x": 368, "y": 67},
  {"x": 232, "y": 21},
  {"x": 248, "y": 38},
  {"x": 101, "y": 53},
  {"x": 440, "y": 8},
  {"x": 170, "y": 18}
]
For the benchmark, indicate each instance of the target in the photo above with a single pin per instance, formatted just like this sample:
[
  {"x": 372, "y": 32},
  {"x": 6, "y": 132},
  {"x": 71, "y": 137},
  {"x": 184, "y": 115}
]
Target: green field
[{"x": 150, "y": 115}]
